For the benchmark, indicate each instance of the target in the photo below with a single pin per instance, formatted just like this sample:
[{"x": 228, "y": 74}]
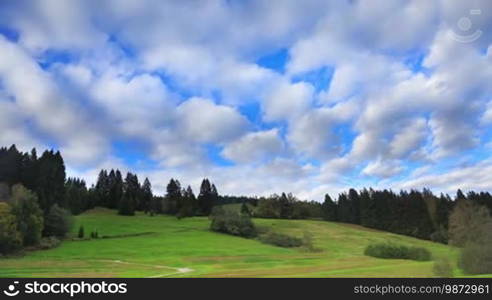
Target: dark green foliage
[
  {"x": 230, "y": 222},
  {"x": 127, "y": 205},
  {"x": 286, "y": 206},
  {"x": 10, "y": 165},
  {"x": 207, "y": 198},
  {"x": 147, "y": 196},
  {"x": 10, "y": 237},
  {"x": 115, "y": 188},
  {"x": 395, "y": 251},
  {"x": 188, "y": 204},
  {"x": 245, "y": 210},
  {"x": 80, "y": 235},
  {"x": 131, "y": 195},
  {"x": 50, "y": 184},
  {"x": 57, "y": 222},
  {"x": 268, "y": 207},
  {"x": 329, "y": 209},
  {"x": 76, "y": 195},
  {"x": 94, "y": 234},
  {"x": 29, "y": 216},
  {"x": 173, "y": 200},
  {"x": 280, "y": 240}
]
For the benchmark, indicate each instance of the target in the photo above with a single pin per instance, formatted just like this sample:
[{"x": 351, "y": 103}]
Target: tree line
[
  {"x": 415, "y": 213},
  {"x": 45, "y": 176}
]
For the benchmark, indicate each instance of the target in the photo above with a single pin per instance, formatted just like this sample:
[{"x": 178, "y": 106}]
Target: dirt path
[{"x": 178, "y": 270}]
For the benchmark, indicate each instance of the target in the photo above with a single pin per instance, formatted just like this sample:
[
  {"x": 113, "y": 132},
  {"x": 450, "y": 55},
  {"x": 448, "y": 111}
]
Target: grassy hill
[{"x": 162, "y": 246}]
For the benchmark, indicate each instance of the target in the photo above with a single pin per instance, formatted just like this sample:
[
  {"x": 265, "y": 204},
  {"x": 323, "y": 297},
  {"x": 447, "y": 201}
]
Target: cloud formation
[{"x": 384, "y": 93}]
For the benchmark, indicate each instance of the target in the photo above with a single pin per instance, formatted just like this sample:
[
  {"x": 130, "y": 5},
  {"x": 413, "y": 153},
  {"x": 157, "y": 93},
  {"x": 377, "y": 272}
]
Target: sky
[{"x": 261, "y": 97}]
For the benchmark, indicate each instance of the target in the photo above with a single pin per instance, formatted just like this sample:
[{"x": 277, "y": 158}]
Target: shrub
[
  {"x": 443, "y": 268},
  {"x": 307, "y": 242},
  {"x": 58, "y": 222},
  {"x": 48, "y": 243},
  {"x": 81, "y": 232},
  {"x": 281, "y": 240},
  {"x": 10, "y": 237},
  {"x": 476, "y": 258},
  {"x": 231, "y": 222},
  {"x": 387, "y": 250}
]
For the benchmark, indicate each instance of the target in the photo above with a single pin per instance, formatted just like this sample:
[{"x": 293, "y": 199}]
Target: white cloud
[
  {"x": 474, "y": 177},
  {"x": 287, "y": 101},
  {"x": 383, "y": 168},
  {"x": 38, "y": 97},
  {"x": 403, "y": 91},
  {"x": 254, "y": 147},
  {"x": 204, "y": 121}
]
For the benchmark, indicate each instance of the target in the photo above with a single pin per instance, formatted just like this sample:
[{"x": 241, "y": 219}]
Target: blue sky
[{"x": 260, "y": 96}]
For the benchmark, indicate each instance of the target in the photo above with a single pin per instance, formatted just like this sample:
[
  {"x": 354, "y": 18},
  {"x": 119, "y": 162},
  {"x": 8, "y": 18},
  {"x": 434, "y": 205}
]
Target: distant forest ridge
[{"x": 414, "y": 213}]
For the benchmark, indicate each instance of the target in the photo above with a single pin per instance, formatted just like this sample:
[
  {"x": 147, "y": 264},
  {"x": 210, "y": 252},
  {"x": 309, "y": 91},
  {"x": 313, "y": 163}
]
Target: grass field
[{"x": 163, "y": 246}]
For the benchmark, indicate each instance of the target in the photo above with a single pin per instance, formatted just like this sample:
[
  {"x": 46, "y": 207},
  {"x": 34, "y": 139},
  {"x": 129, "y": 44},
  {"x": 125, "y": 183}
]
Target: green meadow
[{"x": 163, "y": 246}]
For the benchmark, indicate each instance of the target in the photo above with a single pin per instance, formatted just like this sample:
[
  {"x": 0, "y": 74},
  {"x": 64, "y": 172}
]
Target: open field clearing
[{"x": 162, "y": 246}]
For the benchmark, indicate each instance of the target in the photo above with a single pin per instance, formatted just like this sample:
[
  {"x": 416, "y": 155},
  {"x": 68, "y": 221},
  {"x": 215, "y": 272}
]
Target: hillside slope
[{"x": 162, "y": 246}]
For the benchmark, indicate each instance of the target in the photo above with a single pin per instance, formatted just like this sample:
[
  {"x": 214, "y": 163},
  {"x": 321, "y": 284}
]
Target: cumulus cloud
[
  {"x": 88, "y": 76},
  {"x": 204, "y": 121},
  {"x": 39, "y": 98},
  {"x": 287, "y": 101},
  {"x": 383, "y": 169},
  {"x": 255, "y": 146}
]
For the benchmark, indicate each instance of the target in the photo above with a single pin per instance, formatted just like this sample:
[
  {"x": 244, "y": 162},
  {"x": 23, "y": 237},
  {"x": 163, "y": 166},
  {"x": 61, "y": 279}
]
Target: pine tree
[
  {"x": 146, "y": 195},
  {"x": 188, "y": 204},
  {"x": 286, "y": 207},
  {"x": 81, "y": 232},
  {"x": 207, "y": 198},
  {"x": 128, "y": 203},
  {"x": 245, "y": 210},
  {"x": 329, "y": 208},
  {"x": 173, "y": 199},
  {"x": 50, "y": 182}
]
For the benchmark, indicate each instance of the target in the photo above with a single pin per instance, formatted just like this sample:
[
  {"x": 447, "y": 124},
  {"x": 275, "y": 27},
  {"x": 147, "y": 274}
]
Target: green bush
[
  {"x": 10, "y": 237},
  {"x": 280, "y": 240},
  {"x": 443, "y": 268},
  {"x": 476, "y": 258},
  {"x": 80, "y": 235},
  {"x": 48, "y": 243},
  {"x": 29, "y": 216},
  {"x": 57, "y": 222},
  {"x": 231, "y": 222},
  {"x": 387, "y": 250}
]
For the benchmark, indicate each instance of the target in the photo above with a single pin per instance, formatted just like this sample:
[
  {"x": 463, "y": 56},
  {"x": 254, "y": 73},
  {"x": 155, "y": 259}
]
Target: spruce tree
[{"x": 146, "y": 195}]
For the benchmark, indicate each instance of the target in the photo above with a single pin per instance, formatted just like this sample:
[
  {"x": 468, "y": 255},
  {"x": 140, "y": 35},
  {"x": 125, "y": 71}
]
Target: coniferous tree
[
  {"x": 173, "y": 199},
  {"x": 188, "y": 203},
  {"x": 245, "y": 210},
  {"x": 128, "y": 203},
  {"x": 354, "y": 200},
  {"x": 50, "y": 182},
  {"x": 116, "y": 189},
  {"x": 102, "y": 189},
  {"x": 286, "y": 206},
  {"x": 207, "y": 198},
  {"x": 80, "y": 235},
  {"x": 329, "y": 208},
  {"x": 147, "y": 196}
]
